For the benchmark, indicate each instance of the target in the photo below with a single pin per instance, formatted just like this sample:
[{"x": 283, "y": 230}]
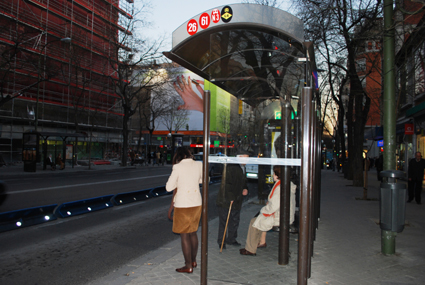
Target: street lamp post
[{"x": 388, "y": 237}]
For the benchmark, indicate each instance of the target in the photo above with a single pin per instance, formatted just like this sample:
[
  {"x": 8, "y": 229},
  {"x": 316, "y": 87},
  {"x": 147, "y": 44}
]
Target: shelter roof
[{"x": 254, "y": 52}]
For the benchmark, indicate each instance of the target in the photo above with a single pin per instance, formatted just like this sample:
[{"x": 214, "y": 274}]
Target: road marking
[{"x": 84, "y": 184}]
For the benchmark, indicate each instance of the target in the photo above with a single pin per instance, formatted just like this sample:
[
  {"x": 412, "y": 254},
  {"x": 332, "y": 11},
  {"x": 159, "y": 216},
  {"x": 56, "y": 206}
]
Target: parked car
[{"x": 251, "y": 171}]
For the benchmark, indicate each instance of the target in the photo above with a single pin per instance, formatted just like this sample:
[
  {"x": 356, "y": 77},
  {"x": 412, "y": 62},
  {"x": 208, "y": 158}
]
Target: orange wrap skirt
[{"x": 186, "y": 220}]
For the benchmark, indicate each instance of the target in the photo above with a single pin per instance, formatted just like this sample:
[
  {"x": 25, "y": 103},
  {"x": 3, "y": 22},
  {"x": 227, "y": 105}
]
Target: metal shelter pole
[
  {"x": 303, "y": 240},
  {"x": 205, "y": 181},
  {"x": 313, "y": 181},
  {"x": 318, "y": 168},
  {"x": 285, "y": 186}
]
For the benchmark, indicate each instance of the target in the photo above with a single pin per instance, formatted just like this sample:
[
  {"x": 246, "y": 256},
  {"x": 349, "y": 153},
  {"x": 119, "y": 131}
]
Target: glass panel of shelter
[
  {"x": 261, "y": 136},
  {"x": 265, "y": 72}
]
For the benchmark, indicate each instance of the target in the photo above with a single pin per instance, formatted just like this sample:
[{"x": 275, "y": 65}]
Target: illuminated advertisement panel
[{"x": 187, "y": 89}]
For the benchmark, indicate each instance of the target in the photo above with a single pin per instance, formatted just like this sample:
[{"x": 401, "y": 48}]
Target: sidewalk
[{"x": 347, "y": 249}]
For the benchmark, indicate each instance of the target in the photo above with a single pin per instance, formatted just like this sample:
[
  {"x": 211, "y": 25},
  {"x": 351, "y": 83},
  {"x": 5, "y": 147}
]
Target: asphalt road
[
  {"x": 83, "y": 248},
  {"x": 48, "y": 188}
]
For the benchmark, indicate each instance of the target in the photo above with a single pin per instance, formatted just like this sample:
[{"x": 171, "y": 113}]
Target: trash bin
[{"x": 392, "y": 202}]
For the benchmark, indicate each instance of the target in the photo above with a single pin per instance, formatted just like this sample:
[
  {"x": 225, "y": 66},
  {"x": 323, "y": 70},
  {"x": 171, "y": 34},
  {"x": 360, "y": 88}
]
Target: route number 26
[{"x": 192, "y": 27}]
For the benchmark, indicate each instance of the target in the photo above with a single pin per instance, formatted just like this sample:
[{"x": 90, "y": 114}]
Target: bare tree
[
  {"x": 344, "y": 27},
  {"x": 132, "y": 66},
  {"x": 224, "y": 127},
  {"x": 175, "y": 116},
  {"x": 153, "y": 108}
]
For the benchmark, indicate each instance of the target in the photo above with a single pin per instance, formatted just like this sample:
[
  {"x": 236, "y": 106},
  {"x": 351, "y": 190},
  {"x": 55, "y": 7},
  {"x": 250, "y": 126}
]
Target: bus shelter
[
  {"x": 31, "y": 152},
  {"x": 258, "y": 54}
]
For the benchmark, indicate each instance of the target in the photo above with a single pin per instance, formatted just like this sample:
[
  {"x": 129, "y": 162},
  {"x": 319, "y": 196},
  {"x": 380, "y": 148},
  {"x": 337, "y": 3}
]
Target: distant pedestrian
[
  {"x": 158, "y": 157},
  {"x": 149, "y": 157},
  {"x": 416, "y": 176},
  {"x": 60, "y": 162},
  {"x": 132, "y": 157},
  {"x": 185, "y": 179},
  {"x": 49, "y": 161}
]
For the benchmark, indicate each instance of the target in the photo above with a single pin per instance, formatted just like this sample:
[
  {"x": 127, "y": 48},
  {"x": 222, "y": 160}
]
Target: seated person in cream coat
[{"x": 268, "y": 217}]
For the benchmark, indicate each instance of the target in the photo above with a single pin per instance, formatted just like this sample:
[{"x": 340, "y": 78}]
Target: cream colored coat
[
  {"x": 186, "y": 177},
  {"x": 269, "y": 214}
]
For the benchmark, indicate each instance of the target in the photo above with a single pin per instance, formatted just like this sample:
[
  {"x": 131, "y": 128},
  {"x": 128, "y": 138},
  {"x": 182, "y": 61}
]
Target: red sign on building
[{"x": 408, "y": 129}]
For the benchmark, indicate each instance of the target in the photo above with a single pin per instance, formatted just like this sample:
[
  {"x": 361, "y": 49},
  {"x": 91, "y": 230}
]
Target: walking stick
[{"x": 225, "y": 228}]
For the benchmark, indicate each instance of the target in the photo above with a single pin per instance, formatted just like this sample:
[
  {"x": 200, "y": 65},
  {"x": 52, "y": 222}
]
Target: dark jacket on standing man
[
  {"x": 232, "y": 184},
  {"x": 416, "y": 169}
]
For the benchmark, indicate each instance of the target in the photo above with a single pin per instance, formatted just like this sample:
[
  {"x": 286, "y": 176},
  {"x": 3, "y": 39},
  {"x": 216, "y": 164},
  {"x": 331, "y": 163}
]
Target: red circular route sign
[
  {"x": 192, "y": 27},
  {"x": 215, "y": 15},
  {"x": 204, "y": 20}
]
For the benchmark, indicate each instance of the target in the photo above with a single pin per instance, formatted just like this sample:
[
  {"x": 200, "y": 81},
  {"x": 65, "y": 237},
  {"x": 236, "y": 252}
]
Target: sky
[{"x": 168, "y": 15}]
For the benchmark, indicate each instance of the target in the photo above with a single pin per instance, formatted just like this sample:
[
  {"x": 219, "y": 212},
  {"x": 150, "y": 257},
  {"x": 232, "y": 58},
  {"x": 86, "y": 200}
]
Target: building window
[
  {"x": 361, "y": 65},
  {"x": 373, "y": 46},
  {"x": 369, "y": 46}
]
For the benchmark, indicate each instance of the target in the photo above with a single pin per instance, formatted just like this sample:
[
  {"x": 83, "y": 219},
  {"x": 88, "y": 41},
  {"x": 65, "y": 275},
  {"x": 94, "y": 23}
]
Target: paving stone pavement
[{"x": 347, "y": 249}]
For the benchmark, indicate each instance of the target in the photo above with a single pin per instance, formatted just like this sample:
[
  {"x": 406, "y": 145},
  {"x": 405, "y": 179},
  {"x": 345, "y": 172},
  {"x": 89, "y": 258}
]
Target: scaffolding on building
[{"x": 60, "y": 70}]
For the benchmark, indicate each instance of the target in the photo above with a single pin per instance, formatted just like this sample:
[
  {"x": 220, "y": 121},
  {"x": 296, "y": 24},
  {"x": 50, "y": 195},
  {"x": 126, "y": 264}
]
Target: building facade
[
  {"x": 410, "y": 82},
  {"x": 369, "y": 69},
  {"x": 410, "y": 54},
  {"x": 56, "y": 72}
]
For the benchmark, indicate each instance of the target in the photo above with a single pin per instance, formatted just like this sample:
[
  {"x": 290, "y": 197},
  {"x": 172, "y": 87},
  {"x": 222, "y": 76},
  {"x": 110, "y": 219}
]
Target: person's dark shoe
[
  {"x": 185, "y": 270},
  {"x": 419, "y": 203},
  {"x": 243, "y": 251},
  {"x": 264, "y": 245},
  {"x": 410, "y": 200},
  {"x": 234, "y": 243},
  {"x": 293, "y": 230},
  {"x": 224, "y": 246}
]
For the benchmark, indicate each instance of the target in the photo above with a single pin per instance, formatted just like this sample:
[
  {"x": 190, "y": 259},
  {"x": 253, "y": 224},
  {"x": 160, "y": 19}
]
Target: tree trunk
[
  {"x": 150, "y": 138},
  {"x": 357, "y": 161},
  {"x": 362, "y": 104},
  {"x": 348, "y": 164},
  {"x": 341, "y": 134},
  {"x": 124, "y": 139},
  {"x": 139, "y": 140}
]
